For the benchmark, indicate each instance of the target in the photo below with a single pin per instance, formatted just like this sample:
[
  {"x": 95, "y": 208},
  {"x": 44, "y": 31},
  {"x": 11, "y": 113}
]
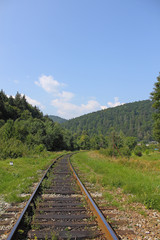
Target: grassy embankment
[
  {"x": 138, "y": 176},
  {"x": 19, "y": 178}
]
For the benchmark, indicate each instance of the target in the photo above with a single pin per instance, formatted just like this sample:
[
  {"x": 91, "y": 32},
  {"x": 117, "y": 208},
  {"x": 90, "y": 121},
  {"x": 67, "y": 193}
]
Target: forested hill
[
  {"x": 133, "y": 119},
  {"x": 57, "y": 119}
]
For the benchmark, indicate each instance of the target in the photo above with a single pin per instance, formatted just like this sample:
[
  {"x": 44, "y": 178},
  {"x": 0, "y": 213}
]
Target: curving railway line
[{"x": 61, "y": 208}]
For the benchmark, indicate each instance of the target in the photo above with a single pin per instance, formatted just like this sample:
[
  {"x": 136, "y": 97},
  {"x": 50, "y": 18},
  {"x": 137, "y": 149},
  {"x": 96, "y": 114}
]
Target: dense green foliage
[
  {"x": 57, "y": 119},
  {"x": 155, "y": 95},
  {"x": 133, "y": 119},
  {"x": 13, "y": 108},
  {"x": 23, "y": 129}
]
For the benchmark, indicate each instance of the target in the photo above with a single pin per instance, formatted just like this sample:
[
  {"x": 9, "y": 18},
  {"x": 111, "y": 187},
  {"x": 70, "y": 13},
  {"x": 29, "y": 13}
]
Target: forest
[
  {"x": 57, "y": 119},
  {"x": 133, "y": 119},
  {"x": 24, "y": 129}
]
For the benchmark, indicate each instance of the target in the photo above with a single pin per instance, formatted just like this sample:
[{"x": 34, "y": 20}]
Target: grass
[
  {"x": 137, "y": 176},
  {"x": 19, "y": 178}
]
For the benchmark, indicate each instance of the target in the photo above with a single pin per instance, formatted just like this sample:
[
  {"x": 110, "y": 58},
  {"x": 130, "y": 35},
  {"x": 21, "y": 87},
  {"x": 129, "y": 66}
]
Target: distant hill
[
  {"x": 57, "y": 119},
  {"x": 133, "y": 119}
]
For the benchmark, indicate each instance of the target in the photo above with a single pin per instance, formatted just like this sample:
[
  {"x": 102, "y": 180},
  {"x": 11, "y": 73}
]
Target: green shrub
[
  {"x": 108, "y": 152},
  {"x": 125, "y": 151},
  {"x": 138, "y": 151},
  {"x": 39, "y": 148},
  {"x": 12, "y": 148}
]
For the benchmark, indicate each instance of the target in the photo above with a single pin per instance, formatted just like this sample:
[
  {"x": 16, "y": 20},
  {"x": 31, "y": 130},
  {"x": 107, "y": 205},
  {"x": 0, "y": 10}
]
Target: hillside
[
  {"x": 133, "y": 119},
  {"x": 57, "y": 119}
]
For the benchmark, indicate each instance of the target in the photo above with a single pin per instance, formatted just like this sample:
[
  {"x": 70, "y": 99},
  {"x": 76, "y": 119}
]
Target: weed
[
  {"x": 27, "y": 219},
  {"x": 20, "y": 231},
  {"x": 108, "y": 197},
  {"x": 68, "y": 234},
  {"x": 46, "y": 237},
  {"x": 93, "y": 218},
  {"x": 35, "y": 226},
  {"x": 38, "y": 200},
  {"x": 142, "y": 212},
  {"x": 54, "y": 237}
]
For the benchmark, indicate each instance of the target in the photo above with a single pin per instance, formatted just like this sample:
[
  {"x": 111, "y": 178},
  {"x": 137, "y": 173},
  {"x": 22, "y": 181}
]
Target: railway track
[{"x": 60, "y": 209}]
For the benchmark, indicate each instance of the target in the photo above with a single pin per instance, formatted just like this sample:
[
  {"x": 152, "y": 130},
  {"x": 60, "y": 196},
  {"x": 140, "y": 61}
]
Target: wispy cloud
[
  {"x": 49, "y": 84},
  {"x": 65, "y": 96},
  {"x": 103, "y": 107},
  {"x": 63, "y": 100},
  {"x": 69, "y": 110},
  {"x": 34, "y": 102},
  {"x": 115, "y": 103}
]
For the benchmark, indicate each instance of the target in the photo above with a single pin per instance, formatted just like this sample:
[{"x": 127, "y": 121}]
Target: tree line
[{"x": 24, "y": 129}]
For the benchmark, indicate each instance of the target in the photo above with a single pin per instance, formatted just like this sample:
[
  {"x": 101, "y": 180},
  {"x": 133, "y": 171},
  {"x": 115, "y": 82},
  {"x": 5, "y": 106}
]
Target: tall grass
[
  {"x": 19, "y": 178},
  {"x": 139, "y": 181}
]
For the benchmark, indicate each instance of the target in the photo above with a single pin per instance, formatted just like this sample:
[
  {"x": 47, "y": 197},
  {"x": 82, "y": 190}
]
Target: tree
[
  {"x": 131, "y": 142},
  {"x": 7, "y": 130},
  {"x": 84, "y": 141},
  {"x": 155, "y": 96}
]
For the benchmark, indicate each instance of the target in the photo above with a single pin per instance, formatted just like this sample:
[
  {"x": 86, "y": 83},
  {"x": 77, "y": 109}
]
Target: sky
[{"x": 73, "y": 57}]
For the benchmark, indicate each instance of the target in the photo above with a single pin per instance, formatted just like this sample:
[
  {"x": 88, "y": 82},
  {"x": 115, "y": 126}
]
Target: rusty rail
[
  {"x": 106, "y": 228},
  {"x": 14, "y": 229}
]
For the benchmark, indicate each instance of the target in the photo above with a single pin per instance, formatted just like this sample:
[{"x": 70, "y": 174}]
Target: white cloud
[
  {"x": 103, "y": 107},
  {"x": 69, "y": 110},
  {"x": 34, "y": 102},
  {"x": 115, "y": 104},
  {"x": 66, "y": 96},
  {"x": 111, "y": 105},
  {"x": 63, "y": 99},
  {"x": 48, "y": 84}
]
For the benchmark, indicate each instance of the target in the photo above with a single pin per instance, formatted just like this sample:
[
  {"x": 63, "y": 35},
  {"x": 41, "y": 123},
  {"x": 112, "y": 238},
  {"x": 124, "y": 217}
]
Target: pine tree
[{"x": 155, "y": 95}]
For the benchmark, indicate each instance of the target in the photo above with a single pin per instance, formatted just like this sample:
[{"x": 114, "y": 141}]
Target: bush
[
  {"x": 12, "y": 148},
  {"x": 39, "y": 148},
  {"x": 138, "y": 151},
  {"x": 108, "y": 152},
  {"x": 125, "y": 151}
]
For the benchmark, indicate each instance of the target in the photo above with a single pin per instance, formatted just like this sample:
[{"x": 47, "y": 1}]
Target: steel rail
[
  {"x": 14, "y": 229},
  {"x": 106, "y": 228}
]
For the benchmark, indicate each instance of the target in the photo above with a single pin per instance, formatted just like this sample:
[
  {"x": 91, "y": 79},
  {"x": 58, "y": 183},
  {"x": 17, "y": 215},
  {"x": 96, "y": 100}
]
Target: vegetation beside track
[
  {"x": 138, "y": 176},
  {"x": 18, "y": 179}
]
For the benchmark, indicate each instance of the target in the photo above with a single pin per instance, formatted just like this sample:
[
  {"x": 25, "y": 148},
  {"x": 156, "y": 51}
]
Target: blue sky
[{"x": 72, "y": 57}]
